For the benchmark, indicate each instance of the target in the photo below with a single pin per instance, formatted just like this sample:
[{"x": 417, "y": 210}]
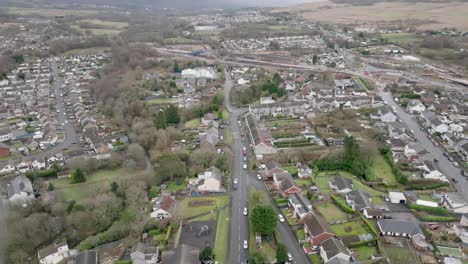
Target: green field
[
  {"x": 381, "y": 169},
  {"x": 278, "y": 27},
  {"x": 50, "y": 12},
  {"x": 287, "y": 214},
  {"x": 400, "y": 255},
  {"x": 157, "y": 101},
  {"x": 193, "y": 206},
  {"x": 357, "y": 227},
  {"x": 86, "y": 51},
  {"x": 193, "y": 123},
  {"x": 401, "y": 38},
  {"x": 174, "y": 187},
  {"x": 221, "y": 240},
  {"x": 365, "y": 253},
  {"x": 330, "y": 212},
  {"x": 427, "y": 197},
  {"x": 95, "y": 182},
  {"x": 107, "y": 24},
  {"x": 453, "y": 252}
]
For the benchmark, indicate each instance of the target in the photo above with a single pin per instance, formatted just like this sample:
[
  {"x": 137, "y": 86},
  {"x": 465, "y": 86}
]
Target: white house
[
  {"x": 163, "y": 208},
  {"x": 341, "y": 184},
  {"x": 54, "y": 253},
  {"x": 143, "y": 254},
  {"x": 455, "y": 202},
  {"x": 437, "y": 126},
  {"x": 386, "y": 115},
  {"x": 38, "y": 165},
  {"x": 5, "y": 134},
  {"x": 210, "y": 180}
]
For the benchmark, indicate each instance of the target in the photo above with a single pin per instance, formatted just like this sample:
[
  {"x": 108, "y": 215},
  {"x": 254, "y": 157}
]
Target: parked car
[
  {"x": 246, "y": 212},
  {"x": 464, "y": 173},
  {"x": 454, "y": 180},
  {"x": 259, "y": 177},
  {"x": 446, "y": 154},
  {"x": 244, "y": 166},
  {"x": 246, "y": 245},
  {"x": 235, "y": 180},
  {"x": 455, "y": 164},
  {"x": 281, "y": 218},
  {"x": 290, "y": 258}
]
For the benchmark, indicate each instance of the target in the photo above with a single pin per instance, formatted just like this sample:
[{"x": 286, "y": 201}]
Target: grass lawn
[
  {"x": 157, "y": 101},
  {"x": 427, "y": 197},
  {"x": 377, "y": 200},
  {"x": 381, "y": 169},
  {"x": 453, "y": 252},
  {"x": 193, "y": 206},
  {"x": 104, "y": 23},
  {"x": 291, "y": 169},
  {"x": 95, "y": 182},
  {"x": 303, "y": 182},
  {"x": 174, "y": 187},
  {"x": 50, "y": 12},
  {"x": 365, "y": 253},
  {"x": 229, "y": 138},
  {"x": 193, "y": 123},
  {"x": 269, "y": 251},
  {"x": 361, "y": 83},
  {"x": 221, "y": 240},
  {"x": 402, "y": 38},
  {"x": 357, "y": 227},
  {"x": 315, "y": 258},
  {"x": 287, "y": 214},
  {"x": 300, "y": 234},
  {"x": 324, "y": 177},
  {"x": 330, "y": 212},
  {"x": 207, "y": 217},
  {"x": 400, "y": 255},
  {"x": 280, "y": 201},
  {"x": 226, "y": 114}
]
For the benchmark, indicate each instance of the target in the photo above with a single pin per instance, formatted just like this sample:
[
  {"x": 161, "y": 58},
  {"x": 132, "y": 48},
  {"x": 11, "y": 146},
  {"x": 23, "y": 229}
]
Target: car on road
[
  {"x": 454, "y": 180},
  {"x": 435, "y": 143},
  {"x": 246, "y": 245},
  {"x": 290, "y": 258},
  {"x": 445, "y": 154},
  {"x": 464, "y": 173},
  {"x": 455, "y": 164},
  {"x": 259, "y": 177},
  {"x": 244, "y": 166},
  {"x": 281, "y": 218},
  {"x": 235, "y": 180},
  {"x": 7, "y": 169},
  {"x": 450, "y": 158},
  {"x": 58, "y": 111},
  {"x": 244, "y": 158},
  {"x": 246, "y": 212}
]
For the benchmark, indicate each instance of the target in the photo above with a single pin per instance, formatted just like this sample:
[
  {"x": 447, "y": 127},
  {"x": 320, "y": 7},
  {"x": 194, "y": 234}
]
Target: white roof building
[{"x": 396, "y": 197}]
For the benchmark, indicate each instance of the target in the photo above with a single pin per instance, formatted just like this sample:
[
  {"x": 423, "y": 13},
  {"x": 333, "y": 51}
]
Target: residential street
[
  {"x": 239, "y": 224},
  {"x": 445, "y": 165}
]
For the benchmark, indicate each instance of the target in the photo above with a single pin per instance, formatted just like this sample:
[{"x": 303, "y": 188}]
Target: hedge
[
  {"x": 123, "y": 262},
  {"x": 362, "y": 243},
  {"x": 154, "y": 232},
  {"x": 435, "y": 218},
  {"x": 342, "y": 205},
  {"x": 416, "y": 185},
  {"x": 399, "y": 176},
  {"x": 433, "y": 210},
  {"x": 370, "y": 226}
]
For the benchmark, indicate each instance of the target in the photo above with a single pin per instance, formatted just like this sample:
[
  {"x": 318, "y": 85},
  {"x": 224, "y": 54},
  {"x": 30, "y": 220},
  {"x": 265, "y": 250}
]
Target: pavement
[{"x": 239, "y": 224}]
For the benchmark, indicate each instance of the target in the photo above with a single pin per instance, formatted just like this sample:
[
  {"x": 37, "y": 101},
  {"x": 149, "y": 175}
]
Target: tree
[
  {"x": 263, "y": 220},
  {"x": 50, "y": 187},
  {"x": 315, "y": 59},
  {"x": 257, "y": 258},
  {"x": 161, "y": 121},
  {"x": 77, "y": 176},
  {"x": 114, "y": 187},
  {"x": 206, "y": 254},
  {"x": 172, "y": 115},
  {"x": 274, "y": 45},
  {"x": 176, "y": 67},
  {"x": 21, "y": 75},
  {"x": 276, "y": 78},
  {"x": 136, "y": 152},
  {"x": 281, "y": 253},
  {"x": 220, "y": 114}
]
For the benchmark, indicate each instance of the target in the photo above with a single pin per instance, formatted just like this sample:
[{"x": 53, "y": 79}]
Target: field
[
  {"x": 95, "y": 182},
  {"x": 100, "y": 27},
  {"x": 86, "y": 51},
  {"x": 330, "y": 212},
  {"x": 453, "y": 252},
  {"x": 157, "y": 101},
  {"x": 381, "y": 169},
  {"x": 194, "y": 206},
  {"x": 400, "y": 255},
  {"x": 401, "y": 38},
  {"x": 221, "y": 239},
  {"x": 50, "y": 12},
  {"x": 193, "y": 123},
  {"x": 435, "y": 15},
  {"x": 356, "y": 227},
  {"x": 324, "y": 177},
  {"x": 106, "y": 24},
  {"x": 365, "y": 253}
]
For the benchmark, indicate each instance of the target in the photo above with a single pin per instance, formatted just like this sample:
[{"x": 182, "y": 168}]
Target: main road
[{"x": 239, "y": 223}]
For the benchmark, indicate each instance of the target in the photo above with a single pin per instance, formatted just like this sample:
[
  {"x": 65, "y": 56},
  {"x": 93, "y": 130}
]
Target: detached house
[
  {"x": 164, "y": 207},
  {"x": 299, "y": 205},
  {"x": 316, "y": 229},
  {"x": 288, "y": 186},
  {"x": 399, "y": 228},
  {"x": 455, "y": 203},
  {"x": 272, "y": 167},
  {"x": 341, "y": 184},
  {"x": 358, "y": 200},
  {"x": 386, "y": 115},
  {"x": 333, "y": 250},
  {"x": 143, "y": 254},
  {"x": 415, "y": 106},
  {"x": 210, "y": 180}
]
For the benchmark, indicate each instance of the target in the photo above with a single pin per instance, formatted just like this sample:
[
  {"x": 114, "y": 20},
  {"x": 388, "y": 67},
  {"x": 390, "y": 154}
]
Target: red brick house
[
  {"x": 316, "y": 229},
  {"x": 272, "y": 167},
  {"x": 288, "y": 187}
]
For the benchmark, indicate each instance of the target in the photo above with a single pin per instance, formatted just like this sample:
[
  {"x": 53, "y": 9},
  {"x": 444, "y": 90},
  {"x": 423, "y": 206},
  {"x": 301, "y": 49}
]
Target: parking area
[{"x": 199, "y": 234}]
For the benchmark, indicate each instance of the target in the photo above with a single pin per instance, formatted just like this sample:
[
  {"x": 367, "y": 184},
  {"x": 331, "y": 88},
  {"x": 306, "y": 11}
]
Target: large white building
[{"x": 206, "y": 73}]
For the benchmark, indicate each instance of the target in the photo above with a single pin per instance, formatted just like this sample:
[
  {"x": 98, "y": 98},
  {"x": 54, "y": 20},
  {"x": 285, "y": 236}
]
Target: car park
[{"x": 281, "y": 218}]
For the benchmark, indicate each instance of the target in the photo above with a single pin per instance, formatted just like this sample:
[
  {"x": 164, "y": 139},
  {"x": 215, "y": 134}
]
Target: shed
[
  {"x": 396, "y": 197},
  {"x": 427, "y": 203}
]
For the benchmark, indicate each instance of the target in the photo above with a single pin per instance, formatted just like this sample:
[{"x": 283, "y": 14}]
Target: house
[
  {"x": 299, "y": 205},
  {"x": 267, "y": 100},
  {"x": 143, "y": 254},
  {"x": 303, "y": 171},
  {"x": 261, "y": 139},
  {"x": 5, "y": 134},
  {"x": 333, "y": 249},
  {"x": 414, "y": 151},
  {"x": 86, "y": 257},
  {"x": 288, "y": 186},
  {"x": 278, "y": 178},
  {"x": 316, "y": 230},
  {"x": 272, "y": 167},
  {"x": 341, "y": 184},
  {"x": 182, "y": 254},
  {"x": 20, "y": 190},
  {"x": 397, "y": 145},
  {"x": 210, "y": 180},
  {"x": 396, "y": 197},
  {"x": 208, "y": 118},
  {"x": 386, "y": 115},
  {"x": 358, "y": 200},
  {"x": 164, "y": 209},
  {"x": 399, "y": 228},
  {"x": 54, "y": 253},
  {"x": 462, "y": 149},
  {"x": 437, "y": 126},
  {"x": 455, "y": 203},
  {"x": 415, "y": 106},
  {"x": 371, "y": 213}
]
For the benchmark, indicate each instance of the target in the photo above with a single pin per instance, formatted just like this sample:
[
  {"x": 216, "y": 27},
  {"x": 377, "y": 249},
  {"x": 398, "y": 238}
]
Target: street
[{"x": 239, "y": 224}]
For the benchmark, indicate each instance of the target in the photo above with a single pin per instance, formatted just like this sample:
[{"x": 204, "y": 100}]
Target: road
[
  {"x": 239, "y": 224},
  {"x": 446, "y": 167}
]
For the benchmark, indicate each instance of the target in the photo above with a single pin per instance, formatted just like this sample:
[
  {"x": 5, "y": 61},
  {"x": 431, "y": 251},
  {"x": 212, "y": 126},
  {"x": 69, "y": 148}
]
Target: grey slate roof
[
  {"x": 333, "y": 247},
  {"x": 86, "y": 257},
  {"x": 361, "y": 199},
  {"x": 342, "y": 182},
  {"x": 399, "y": 226}
]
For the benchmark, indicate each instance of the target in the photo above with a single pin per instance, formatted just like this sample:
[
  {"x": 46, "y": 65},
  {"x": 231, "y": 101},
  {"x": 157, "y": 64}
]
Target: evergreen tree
[
  {"x": 172, "y": 115},
  {"x": 77, "y": 176},
  {"x": 161, "y": 121}
]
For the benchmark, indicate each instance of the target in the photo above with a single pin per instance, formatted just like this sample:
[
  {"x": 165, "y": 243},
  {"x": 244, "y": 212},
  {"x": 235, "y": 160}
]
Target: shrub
[
  {"x": 342, "y": 205},
  {"x": 154, "y": 232},
  {"x": 435, "y": 218},
  {"x": 433, "y": 210},
  {"x": 362, "y": 243}
]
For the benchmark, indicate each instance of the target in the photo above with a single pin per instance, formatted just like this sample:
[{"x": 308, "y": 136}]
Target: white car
[
  {"x": 455, "y": 164},
  {"x": 290, "y": 258},
  {"x": 245, "y": 211},
  {"x": 281, "y": 218},
  {"x": 246, "y": 245},
  {"x": 66, "y": 121},
  {"x": 235, "y": 180},
  {"x": 259, "y": 177},
  {"x": 7, "y": 169},
  {"x": 58, "y": 111},
  {"x": 245, "y": 166}
]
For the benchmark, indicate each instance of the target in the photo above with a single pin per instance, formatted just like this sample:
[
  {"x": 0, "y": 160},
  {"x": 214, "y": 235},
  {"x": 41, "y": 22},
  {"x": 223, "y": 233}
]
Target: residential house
[
  {"x": 20, "y": 190},
  {"x": 372, "y": 213},
  {"x": 303, "y": 171},
  {"x": 341, "y": 184},
  {"x": 261, "y": 139},
  {"x": 288, "y": 186},
  {"x": 272, "y": 167},
  {"x": 386, "y": 115},
  {"x": 462, "y": 149},
  {"x": 164, "y": 208},
  {"x": 143, "y": 254},
  {"x": 416, "y": 152},
  {"x": 182, "y": 254},
  {"x": 208, "y": 118},
  {"x": 399, "y": 228},
  {"x": 358, "y": 200},
  {"x": 316, "y": 230},
  {"x": 455, "y": 203},
  {"x": 54, "y": 253},
  {"x": 278, "y": 178},
  {"x": 332, "y": 250},
  {"x": 397, "y": 145},
  {"x": 437, "y": 126},
  {"x": 6, "y": 134},
  {"x": 415, "y": 106},
  {"x": 299, "y": 205},
  {"x": 210, "y": 180},
  {"x": 86, "y": 257}
]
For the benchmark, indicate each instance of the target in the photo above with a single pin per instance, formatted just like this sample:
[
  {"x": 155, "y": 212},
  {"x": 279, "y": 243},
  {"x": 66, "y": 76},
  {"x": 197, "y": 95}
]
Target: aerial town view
[{"x": 233, "y": 132}]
